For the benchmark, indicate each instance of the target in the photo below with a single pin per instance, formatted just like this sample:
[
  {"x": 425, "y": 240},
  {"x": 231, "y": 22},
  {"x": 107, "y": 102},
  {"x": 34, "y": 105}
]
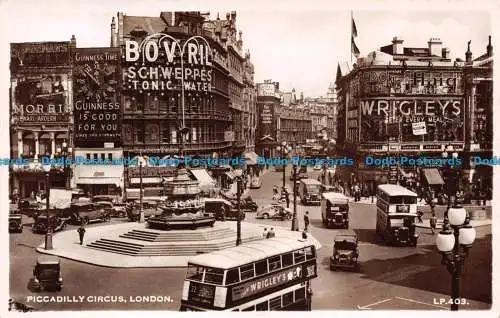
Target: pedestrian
[
  {"x": 306, "y": 221},
  {"x": 264, "y": 234},
  {"x": 433, "y": 222},
  {"x": 304, "y": 235},
  {"x": 271, "y": 233},
  {"x": 419, "y": 216},
  {"x": 287, "y": 198},
  {"x": 81, "y": 233}
]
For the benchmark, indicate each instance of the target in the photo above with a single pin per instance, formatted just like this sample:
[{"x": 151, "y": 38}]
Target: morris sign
[{"x": 162, "y": 63}]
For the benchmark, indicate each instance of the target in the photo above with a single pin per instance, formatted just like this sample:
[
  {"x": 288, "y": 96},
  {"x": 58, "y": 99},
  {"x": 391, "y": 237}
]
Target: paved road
[{"x": 389, "y": 277}]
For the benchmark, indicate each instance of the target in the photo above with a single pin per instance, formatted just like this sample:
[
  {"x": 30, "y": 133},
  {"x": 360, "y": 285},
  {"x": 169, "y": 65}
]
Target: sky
[{"x": 298, "y": 46}]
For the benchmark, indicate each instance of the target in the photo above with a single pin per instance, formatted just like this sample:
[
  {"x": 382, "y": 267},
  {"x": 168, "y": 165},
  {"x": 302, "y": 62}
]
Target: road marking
[
  {"x": 419, "y": 302},
  {"x": 376, "y": 303}
]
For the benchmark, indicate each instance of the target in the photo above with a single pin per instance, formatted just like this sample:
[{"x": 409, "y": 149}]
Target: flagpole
[{"x": 350, "y": 23}]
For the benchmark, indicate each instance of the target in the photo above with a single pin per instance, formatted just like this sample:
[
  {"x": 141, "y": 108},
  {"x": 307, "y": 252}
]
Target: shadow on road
[
  {"x": 425, "y": 271},
  {"x": 367, "y": 235}
]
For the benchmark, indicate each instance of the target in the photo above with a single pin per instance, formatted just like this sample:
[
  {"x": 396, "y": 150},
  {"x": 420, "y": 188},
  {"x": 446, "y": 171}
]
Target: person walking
[
  {"x": 287, "y": 198},
  {"x": 306, "y": 221},
  {"x": 81, "y": 233},
  {"x": 433, "y": 222}
]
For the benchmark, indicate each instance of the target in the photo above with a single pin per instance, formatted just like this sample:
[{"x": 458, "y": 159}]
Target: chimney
[
  {"x": 435, "y": 47},
  {"x": 73, "y": 42},
  {"x": 113, "y": 33},
  {"x": 489, "y": 48},
  {"x": 397, "y": 46},
  {"x": 445, "y": 53}
]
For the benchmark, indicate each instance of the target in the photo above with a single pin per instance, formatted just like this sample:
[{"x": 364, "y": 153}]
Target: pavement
[
  {"x": 66, "y": 244},
  {"x": 439, "y": 225}
]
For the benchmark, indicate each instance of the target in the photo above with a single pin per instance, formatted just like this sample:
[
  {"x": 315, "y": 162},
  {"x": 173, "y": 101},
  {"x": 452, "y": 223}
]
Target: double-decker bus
[
  {"x": 396, "y": 213},
  {"x": 267, "y": 275}
]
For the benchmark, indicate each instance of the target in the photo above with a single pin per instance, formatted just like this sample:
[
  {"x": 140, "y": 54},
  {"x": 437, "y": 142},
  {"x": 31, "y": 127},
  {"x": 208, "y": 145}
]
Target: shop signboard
[
  {"x": 39, "y": 54},
  {"x": 96, "y": 95}
]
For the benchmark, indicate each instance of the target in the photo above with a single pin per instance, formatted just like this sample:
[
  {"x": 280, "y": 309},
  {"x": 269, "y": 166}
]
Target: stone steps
[{"x": 184, "y": 236}]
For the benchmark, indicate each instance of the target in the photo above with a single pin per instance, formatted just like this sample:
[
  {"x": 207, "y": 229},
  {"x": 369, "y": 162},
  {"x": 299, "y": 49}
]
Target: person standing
[
  {"x": 287, "y": 198},
  {"x": 81, "y": 233},
  {"x": 306, "y": 221},
  {"x": 433, "y": 222},
  {"x": 265, "y": 233},
  {"x": 271, "y": 234}
]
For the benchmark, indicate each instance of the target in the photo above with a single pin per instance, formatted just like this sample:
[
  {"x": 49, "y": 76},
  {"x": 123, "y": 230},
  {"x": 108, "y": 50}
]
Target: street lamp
[
  {"x": 295, "y": 226},
  {"x": 284, "y": 149},
  {"x": 238, "y": 220},
  {"x": 65, "y": 151},
  {"x": 142, "y": 162},
  {"x": 451, "y": 175},
  {"x": 48, "y": 234},
  {"x": 454, "y": 242}
]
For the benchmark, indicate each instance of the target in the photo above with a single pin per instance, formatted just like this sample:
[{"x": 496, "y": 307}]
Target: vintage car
[
  {"x": 255, "y": 183},
  {"x": 15, "y": 223},
  {"x": 345, "y": 252},
  {"x": 30, "y": 207},
  {"x": 222, "y": 209},
  {"x": 108, "y": 198},
  {"x": 247, "y": 204},
  {"x": 335, "y": 210},
  {"x": 149, "y": 208},
  {"x": 274, "y": 211},
  {"x": 86, "y": 212},
  {"x": 47, "y": 273},
  {"x": 47, "y": 220},
  {"x": 301, "y": 173},
  {"x": 119, "y": 210}
]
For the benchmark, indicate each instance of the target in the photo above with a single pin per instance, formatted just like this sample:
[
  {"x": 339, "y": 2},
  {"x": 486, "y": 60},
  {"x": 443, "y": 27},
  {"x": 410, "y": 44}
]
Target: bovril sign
[{"x": 164, "y": 63}]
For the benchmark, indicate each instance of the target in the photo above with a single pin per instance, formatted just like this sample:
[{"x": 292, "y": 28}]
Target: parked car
[
  {"x": 15, "y": 223},
  {"x": 345, "y": 252},
  {"x": 86, "y": 212},
  {"x": 149, "y": 208},
  {"x": 222, "y": 209},
  {"x": 45, "y": 221},
  {"x": 274, "y": 211},
  {"x": 29, "y": 207},
  {"x": 109, "y": 198},
  {"x": 247, "y": 204},
  {"x": 119, "y": 210},
  {"x": 255, "y": 183},
  {"x": 301, "y": 173},
  {"x": 47, "y": 273}
]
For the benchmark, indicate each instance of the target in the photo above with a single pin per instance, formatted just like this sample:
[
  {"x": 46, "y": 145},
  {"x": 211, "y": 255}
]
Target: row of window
[
  {"x": 278, "y": 302},
  {"x": 143, "y": 133}
]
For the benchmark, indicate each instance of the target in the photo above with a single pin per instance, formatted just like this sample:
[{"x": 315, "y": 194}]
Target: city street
[{"x": 389, "y": 277}]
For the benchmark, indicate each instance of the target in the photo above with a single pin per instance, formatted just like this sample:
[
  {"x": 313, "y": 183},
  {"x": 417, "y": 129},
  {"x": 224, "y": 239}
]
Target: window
[
  {"x": 275, "y": 303},
  {"x": 139, "y": 132},
  {"x": 262, "y": 306},
  {"x": 88, "y": 156},
  {"x": 214, "y": 275},
  {"x": 95, "y": 157},
  {"x": 299, "y": 256},
  {"x": 288, "y": 299},
  {"x": 103, "y": 156},
  {"x": 251, "y": 308},
  {"x": 287, "y": 259},
  {"x": 195, "y": 272},
  {"x": 300, "y": 294},
  {"x": 261, "y": 267},
  {"x": 247, "y": 272},
  {"x": 309, "y": 253},
  {"x": 274, "y": 263},
  {"x": 232, "y": 276},
  {"x": 110, "y": 156}
]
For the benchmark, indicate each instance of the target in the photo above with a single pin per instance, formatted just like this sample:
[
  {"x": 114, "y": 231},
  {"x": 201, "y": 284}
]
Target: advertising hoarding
[
  {"x": 96, "y": 95},
  {"x": 39, "y": 54}
]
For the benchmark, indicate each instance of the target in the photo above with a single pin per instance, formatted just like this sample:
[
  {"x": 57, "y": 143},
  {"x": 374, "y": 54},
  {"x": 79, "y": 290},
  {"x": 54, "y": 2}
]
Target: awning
[
  {"x": 251, "y": 158},
  {"x": 99, "y": 174},
  {"x": 148, "y": 180},
  {"x": 206, "y": 181},
  {"x": 230, "y": 175},
  {"x": 433, "y": 177}
]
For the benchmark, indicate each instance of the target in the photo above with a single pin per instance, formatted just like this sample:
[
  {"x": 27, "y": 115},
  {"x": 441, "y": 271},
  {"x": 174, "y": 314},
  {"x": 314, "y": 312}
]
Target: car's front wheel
[{"x": 265, "y": 216}]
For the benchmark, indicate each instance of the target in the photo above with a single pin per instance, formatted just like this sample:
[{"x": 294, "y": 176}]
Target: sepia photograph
[{"x": 160, "y": 157}]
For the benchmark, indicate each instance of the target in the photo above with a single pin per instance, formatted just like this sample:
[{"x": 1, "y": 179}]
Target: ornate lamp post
[
  {"x": 238, "y": 220},
  {"x": 142, "y": 162},
  {"x": 284, "y": 149},
  {"x": 454, "y": 242},
  {"x": 64, "y": 151},
  {"x": 295, "y": 226},
  {"x": 48, "y": 234},
  {"x": 451, "y": 175}
]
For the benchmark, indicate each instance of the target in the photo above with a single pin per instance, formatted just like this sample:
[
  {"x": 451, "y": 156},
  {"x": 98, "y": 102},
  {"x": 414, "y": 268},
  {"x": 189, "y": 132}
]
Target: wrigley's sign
[{"x": 163, "y": 63}]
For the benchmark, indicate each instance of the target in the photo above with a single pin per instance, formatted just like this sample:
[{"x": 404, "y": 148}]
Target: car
[
  {"x": 149, "y": 208},
  {"x": 15, "y": 223},
  {"x": 47, "y": 273},
  {"x": 222, "y": 209},
  {"x": 255, "y": 183},
  {"x": 345, "y": 252},
  {"x": 47, "y": 220},
  {"x": 318, "y": 167},
  {"x": 86, "y": 212},
  {"x": 274, "y": 211}
]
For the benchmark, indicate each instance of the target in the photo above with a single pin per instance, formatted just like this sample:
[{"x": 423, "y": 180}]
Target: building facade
[
  {"x": 268, "y": 104},
  {"x": 41, "y": 121},
  {"x": 388, "y": 95}
]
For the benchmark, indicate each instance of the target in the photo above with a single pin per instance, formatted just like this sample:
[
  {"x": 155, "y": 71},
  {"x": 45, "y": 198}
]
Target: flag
[
  {"x": 354, "y": 31},
  {"x": 354, "y": 48}
]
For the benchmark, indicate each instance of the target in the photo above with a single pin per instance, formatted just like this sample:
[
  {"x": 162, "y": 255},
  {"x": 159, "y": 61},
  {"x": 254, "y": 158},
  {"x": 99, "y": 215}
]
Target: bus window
[
  {"x": 274, "y": 263},
  {"x": 262, "y": 306},
  {"x": 287, "y": 299},
  {"x": 214, "y": 276},
  {"x": 247, "y": 272},
  {"x": 300, "y": 294},
  {"x": 275, "y": 303},
  {"x": 261, "y": 267},
  {"x": 309, "y": 253},
  {"x": 232, "y": 276},
  {"x": 195, "y": 272},
  {"x": 251, "y": 308},
  {"x": 410, "y": 200},
  {"x": 299, "y": 256},
  {"x": 287, "y": 259},
  {"x": 396, "y": 200}
]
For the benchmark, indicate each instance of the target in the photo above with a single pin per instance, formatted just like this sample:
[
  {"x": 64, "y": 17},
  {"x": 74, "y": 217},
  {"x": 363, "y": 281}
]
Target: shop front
[{"x": 99, "y": 179}]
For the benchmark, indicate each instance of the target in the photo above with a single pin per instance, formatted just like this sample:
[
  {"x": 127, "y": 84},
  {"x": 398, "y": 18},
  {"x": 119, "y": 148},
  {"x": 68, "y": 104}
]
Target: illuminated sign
[
  {"x": 39, "y": 54},
  {"x": 201, "y": 293},
  {"x": 268, "y": 282},
  {"x": 40, "y": 99},
  {"x": 96, "y": 96},
  {"x": 162, "y": 63},
  {"x": 266, "y": 114}
]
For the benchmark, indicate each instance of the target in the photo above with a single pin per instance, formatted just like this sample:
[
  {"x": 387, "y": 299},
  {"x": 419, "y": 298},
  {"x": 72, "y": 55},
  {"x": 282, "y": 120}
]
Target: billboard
[
  {"x": 383, "y": 118},
  {"x": 96, "y": 96},
  {"x": 40, "y": 99},
  {"x": 39, "y": 54},
  {"x": 266, "y": 111},
  {"x": 266, "y": 89}
]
